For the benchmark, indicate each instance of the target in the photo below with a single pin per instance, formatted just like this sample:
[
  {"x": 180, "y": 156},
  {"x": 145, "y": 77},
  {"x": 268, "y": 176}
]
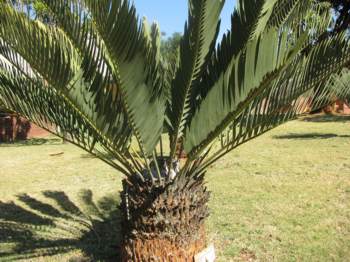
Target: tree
[
  {"x": 342, "y": 14},
  {"x": 97, "y": 77},
  {"x": 35, "y": 9},
  {"x": 170, "y": 46}
]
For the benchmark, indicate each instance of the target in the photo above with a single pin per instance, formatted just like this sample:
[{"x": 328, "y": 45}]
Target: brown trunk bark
[
  {"x": 164, "y": 223},
  {"x": 162, "y": 250}
]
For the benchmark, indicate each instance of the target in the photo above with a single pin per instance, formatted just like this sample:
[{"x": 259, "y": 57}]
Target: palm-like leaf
[
  {"x": 303, "y": 85},
  {"x": 134, "y": 67},
  {"x": 52, "y": 110},
  {"x": 337, "y": 87},
  {"x": 251, "y": 71},
  {"x": 195, "y": 50},
  {"x": 94, "y": 58}
]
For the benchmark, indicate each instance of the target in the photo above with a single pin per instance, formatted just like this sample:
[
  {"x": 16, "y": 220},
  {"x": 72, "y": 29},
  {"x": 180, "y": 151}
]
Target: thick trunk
[
  {"x": 162, "y": 249},
  {"x": 164, "y": 223}
]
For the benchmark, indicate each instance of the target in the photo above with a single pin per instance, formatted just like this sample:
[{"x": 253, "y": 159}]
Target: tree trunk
[
  {"x": 164, "y": 223},
  {"x": 162, "y": 250}
]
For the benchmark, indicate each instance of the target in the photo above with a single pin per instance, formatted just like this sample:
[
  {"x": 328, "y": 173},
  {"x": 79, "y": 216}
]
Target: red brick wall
[
  {"x": 343, "y": 108},
  {"x": 14, "y": 128},
  {"x": 36, "y": 131}
]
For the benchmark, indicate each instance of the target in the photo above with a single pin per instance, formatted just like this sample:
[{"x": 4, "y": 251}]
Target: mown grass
[{"x": 282, "y": 197}]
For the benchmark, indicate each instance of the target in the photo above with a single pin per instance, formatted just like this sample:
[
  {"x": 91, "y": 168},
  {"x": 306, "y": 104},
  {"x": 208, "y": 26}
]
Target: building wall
[
  {"x": 36, "y": 131},
  {"x": 14, "y": 128}
]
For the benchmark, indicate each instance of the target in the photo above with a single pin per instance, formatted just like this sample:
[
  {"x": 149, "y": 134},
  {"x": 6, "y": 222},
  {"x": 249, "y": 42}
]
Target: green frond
[
  {"x": 46, "y": 49},
  {"x": 250, "y": 19},
  {"x": 196, "y": 48},
  {"x": 53, "y": 58},
  {"x": 286, "y": 10},
  {"x": 134, "y": 67},
  {"x": 234, "y": 80},
  {"x": 264, "y": 17},
  {"x": 253, "y": 70},
  {"x": 243, "y": 21},
  {"x": 96, "y": 93},
  {"x": 304, "y": 85},
  {"x": 50, "y": 109},
  {"x": 337, "y": 87},
  {"x": 125, "y": 59}
]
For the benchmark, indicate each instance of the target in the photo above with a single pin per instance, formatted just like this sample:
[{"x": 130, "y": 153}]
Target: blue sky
[{"x": 172, "y": 14}]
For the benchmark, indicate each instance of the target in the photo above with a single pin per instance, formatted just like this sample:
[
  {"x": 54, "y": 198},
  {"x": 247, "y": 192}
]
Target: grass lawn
[{"x": 284, "y": 196}]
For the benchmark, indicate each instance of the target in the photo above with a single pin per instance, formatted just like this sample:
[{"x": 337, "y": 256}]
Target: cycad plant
[{"x": 96, "y": 78}]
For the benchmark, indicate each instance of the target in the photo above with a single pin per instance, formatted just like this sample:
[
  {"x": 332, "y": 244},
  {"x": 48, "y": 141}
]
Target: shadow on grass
[
  {"x": 309, "y": 136},
  {"x": 33, "y": 228},
  {"x": 33, "y": 142},
  {"x": 327, "y": 118}
]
